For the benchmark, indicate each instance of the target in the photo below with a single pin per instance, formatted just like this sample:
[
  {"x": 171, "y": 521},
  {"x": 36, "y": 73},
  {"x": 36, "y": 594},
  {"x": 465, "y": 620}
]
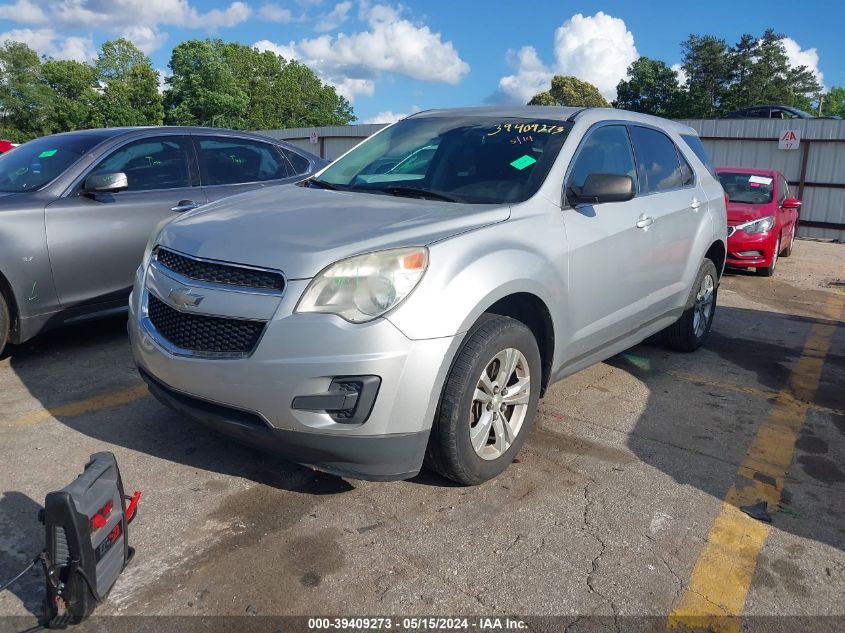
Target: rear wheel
[
  {"x": 4, "y": 322},
  {"x": 768, "y": 271},
  {"x": 489, "y": 402},
  {"x": 689, "y": 332}
]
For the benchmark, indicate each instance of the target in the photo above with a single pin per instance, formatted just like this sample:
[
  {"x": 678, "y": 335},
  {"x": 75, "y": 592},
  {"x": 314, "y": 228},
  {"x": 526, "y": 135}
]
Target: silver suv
[{"x": 377, "y": 318}]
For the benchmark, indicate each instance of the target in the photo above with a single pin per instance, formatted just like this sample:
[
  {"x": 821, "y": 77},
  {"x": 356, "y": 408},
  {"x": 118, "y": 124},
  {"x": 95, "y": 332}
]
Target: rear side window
[
  {"x": 607, "y": 150},
  {"x": 658, "y": 165},
  {"x": 229, "y": 161},
  {"x": 300, "y": 164},
  {"x": 151, "y": 163},
  {"x": 695, "y": 144}
]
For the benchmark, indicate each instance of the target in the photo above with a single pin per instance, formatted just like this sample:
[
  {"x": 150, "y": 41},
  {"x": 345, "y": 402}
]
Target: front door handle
[
  {"x": 184, "y": 205},
  {"x": 645, "y": 221},
  {"x": 695, "y": 204}
]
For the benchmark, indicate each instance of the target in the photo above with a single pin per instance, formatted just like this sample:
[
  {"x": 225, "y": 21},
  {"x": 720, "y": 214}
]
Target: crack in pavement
[{"x": 595, "y": 562}]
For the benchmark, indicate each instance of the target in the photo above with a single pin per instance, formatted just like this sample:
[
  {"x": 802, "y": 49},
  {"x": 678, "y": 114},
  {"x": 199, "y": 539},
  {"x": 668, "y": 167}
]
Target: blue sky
[{"x": 392, "y": 58}]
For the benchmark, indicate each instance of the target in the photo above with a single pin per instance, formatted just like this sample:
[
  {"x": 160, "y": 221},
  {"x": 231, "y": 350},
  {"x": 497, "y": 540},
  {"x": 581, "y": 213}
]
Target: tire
[
  {"x": 788, "y": 250},
  {"x": 768, "y": 271},
  {"x": 462, "y": 413},
  {"x": 690, "y": 331},
  {"x": 4, "y": 323}
]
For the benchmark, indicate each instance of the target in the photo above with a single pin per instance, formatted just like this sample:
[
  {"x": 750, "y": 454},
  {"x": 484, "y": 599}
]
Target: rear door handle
[
  {"x": 645, "y": 221},
  {"x": 184, "y": 205},
  {"x": 695, "y": 204}
]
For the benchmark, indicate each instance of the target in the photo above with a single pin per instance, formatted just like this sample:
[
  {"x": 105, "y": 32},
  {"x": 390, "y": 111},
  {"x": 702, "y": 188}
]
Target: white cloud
[
  {"x": 596, "y": 48},
  {"x": 334, "y": 18},
  {"x": 139, "y": 20},
  {"x": 798, "y": 57},
  {"x": 24, "y": 12},
  {"x": 388, "y": 116},
  {"x": 682, "y": 74},
  {"x": 48, "y": 42},
  {"x": 275, "y": 13},
  {"x": 353, "y": 61}
]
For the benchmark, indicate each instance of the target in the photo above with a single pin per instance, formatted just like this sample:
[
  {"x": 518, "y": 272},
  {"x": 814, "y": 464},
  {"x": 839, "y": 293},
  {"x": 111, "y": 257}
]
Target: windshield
[
  {"x": 34, "y": 164},
  {"x": 747, "y": 188},
  {"x": 474, "y": 159}
]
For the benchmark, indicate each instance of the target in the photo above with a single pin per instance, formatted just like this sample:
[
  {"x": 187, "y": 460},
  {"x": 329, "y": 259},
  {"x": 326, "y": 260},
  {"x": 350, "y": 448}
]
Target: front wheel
[
  {"x": 788, "y": 250},
  {"x": 488, "y": 404},
  {"x": 690, "y": 331},
  {"x": 768, "y": 271}
]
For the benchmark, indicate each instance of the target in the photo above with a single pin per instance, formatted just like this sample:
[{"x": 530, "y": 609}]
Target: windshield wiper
[
  {"x": 418, "y": 192},
  {"x": 322, "y": 184}
]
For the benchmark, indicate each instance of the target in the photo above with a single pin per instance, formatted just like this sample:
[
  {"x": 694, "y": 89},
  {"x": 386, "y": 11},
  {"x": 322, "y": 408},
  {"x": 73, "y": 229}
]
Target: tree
[
  {"x": 707, "y": 66},
  {"x": 833, "y": 103},
  {"x": 741, "y": 92},
  {"x": 26, "y": 103},
  {"x": 651, "y": 87},
  {"x": 74, "y": 93},
  {"x": 130, "y": 86},
  {"x": 232, "y": 85},
  {"x": 203, "y": 90},
  {"x": 570, "y": 91}
]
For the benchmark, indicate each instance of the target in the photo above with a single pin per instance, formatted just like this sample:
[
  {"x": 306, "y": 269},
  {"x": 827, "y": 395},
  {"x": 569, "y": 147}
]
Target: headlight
[
  {"x": 758, "y": 226},
  {"x": 364, "y": 287}
]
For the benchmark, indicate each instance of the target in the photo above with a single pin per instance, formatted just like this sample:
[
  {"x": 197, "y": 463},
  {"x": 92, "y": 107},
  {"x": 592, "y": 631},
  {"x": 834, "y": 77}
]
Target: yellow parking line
[
  {"x": 88, "y": 405},
  {"x": 716, "y": 593}
]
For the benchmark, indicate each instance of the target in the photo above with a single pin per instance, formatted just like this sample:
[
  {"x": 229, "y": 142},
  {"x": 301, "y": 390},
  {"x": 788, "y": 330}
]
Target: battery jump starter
[{"x": 87, "y": 542}]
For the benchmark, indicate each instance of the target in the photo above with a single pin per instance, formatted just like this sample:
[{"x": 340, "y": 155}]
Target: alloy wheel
[
  {"x": 500, "y": 403},
  {"x": 705, "y": 300}
]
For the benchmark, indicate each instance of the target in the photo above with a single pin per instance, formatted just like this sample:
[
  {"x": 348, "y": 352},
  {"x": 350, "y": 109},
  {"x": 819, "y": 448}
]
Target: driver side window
[
  {"x": 607, "y": 150},
  {"x": 150, "y": 163}
]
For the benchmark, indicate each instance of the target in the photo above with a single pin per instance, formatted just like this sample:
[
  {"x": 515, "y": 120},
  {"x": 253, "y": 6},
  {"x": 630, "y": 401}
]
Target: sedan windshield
[
  {"x": 474, "y": 159},
  {"x": 747, "y": 188},
  {"x": 34, "y": 164}
]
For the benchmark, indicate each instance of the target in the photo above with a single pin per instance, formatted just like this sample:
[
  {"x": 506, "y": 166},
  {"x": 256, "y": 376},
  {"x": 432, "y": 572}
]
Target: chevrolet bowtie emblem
[{"x": 184, "y": 297}]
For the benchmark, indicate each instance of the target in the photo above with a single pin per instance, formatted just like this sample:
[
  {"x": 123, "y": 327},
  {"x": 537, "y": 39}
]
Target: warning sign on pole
[{"x": 789, "y": 139}]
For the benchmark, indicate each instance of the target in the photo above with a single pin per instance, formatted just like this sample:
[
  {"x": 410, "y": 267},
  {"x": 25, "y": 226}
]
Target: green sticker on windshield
[
  {"x": 47, "y": 153},
  {"x": 523, "y": 161}
]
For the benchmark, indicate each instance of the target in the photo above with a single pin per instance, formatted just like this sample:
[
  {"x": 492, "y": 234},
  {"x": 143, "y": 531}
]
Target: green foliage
[
  {"x": 130, "y": 93},
  {"x": 213, "y": 83},
  {"x": 232, "y": 85},
  {"x": 75, "y": 97},
  {"x": 706, "y": 62},
  {"x": 570, "y": 91},
  {"x": 834, "y": 102},
  {"x": 203, "y": 90},
  {"x": 26, "y": 103},
  {"x": 651, "y": 87}
]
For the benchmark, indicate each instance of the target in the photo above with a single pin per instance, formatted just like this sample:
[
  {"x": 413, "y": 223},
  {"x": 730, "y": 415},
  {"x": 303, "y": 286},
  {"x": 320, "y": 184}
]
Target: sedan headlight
[
  {"x": 364, "y": 287},
  {"x": 758, "y": 226}
]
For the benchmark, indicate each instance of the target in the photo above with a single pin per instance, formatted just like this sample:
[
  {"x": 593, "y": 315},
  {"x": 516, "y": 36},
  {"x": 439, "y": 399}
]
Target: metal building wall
[
  {"x": 821, "y": 154},
  {"x": 332, "y": 141}
]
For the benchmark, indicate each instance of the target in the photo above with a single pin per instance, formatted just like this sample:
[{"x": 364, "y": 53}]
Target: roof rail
[{"x": 575, "y": 114}]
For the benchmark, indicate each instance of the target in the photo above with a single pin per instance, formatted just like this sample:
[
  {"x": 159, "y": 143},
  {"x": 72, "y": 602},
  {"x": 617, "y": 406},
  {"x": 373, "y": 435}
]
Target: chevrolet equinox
[{"x": 410, "y": 303}]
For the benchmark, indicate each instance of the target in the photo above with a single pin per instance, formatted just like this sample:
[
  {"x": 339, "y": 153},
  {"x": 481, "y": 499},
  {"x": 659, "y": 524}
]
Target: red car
[{"x": 762, "y": 217}]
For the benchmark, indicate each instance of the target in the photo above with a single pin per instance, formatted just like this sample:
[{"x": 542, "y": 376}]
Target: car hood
[
  {"x": 301, "y": 230},
  {"x": 739, "y": 213}
]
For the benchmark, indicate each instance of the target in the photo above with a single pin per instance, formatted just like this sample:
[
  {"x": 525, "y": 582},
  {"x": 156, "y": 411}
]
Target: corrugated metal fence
[{"x": 816, "y": 170}]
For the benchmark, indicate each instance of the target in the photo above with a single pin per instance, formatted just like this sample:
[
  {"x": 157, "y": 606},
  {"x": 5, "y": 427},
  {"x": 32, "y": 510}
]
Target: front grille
[
  {"x": 228, "y": 274},
  {"x": 200, "y": 333},
  {"x": 731, "y": 230}
]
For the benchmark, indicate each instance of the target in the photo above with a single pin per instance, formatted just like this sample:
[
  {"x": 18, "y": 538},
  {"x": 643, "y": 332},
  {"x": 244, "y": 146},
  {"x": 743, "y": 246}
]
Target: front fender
[{"x": 469, "y": 274}]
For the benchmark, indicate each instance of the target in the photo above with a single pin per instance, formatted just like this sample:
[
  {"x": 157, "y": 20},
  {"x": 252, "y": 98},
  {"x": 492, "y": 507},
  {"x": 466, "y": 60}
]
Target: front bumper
[
  {"x": 751, "y": 250},
  {"x": 299, "y": 355}
]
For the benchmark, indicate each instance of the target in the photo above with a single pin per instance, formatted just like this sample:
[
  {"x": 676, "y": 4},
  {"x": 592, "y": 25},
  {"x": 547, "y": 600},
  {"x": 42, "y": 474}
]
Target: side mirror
[
  {"x": 600, "y": 188},
  {"x": 106, "y": 183},
  {"x": 791, "y": 203}
]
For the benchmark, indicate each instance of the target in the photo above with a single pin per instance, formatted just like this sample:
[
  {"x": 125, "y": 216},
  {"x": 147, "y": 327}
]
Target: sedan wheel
[{"x": 768, "y": 271}]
